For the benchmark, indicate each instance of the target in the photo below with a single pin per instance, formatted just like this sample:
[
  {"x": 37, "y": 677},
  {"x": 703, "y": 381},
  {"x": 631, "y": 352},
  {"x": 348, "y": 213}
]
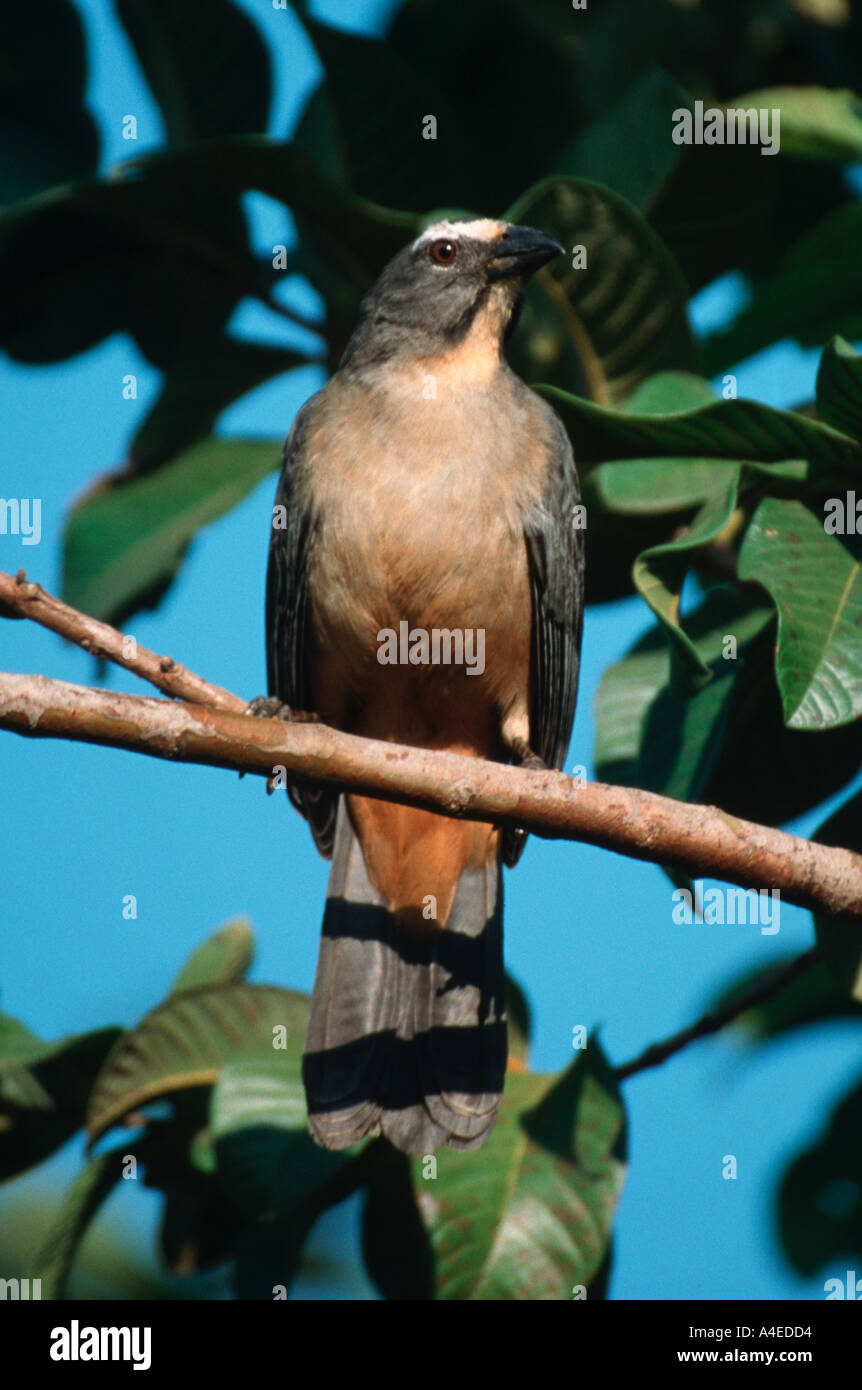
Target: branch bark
[{"x": 699, "y": 840}]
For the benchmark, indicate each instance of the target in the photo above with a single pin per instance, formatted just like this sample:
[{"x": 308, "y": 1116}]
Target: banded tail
[{"x": 407, "y": 1035}]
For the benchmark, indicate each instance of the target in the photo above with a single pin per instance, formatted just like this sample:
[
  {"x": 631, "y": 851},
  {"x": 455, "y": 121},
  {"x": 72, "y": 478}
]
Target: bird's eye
[{"x": 442, "y": 252}]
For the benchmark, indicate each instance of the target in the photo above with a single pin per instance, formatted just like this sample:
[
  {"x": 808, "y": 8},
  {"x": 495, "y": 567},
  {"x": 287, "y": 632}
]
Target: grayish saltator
[{"x": 427, "y": 485}]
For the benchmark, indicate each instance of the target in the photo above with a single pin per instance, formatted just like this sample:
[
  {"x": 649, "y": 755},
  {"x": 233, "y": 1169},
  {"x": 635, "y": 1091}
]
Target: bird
[{"x": 426, "y": 489}]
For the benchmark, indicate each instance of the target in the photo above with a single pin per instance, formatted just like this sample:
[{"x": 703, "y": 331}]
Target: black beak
[{"x": 520, "y": 251}]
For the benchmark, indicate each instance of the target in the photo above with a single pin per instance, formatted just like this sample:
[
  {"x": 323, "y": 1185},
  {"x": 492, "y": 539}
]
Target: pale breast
[
  {"x": 420, "y": 505},
  {"x": 421, "y": 500}
]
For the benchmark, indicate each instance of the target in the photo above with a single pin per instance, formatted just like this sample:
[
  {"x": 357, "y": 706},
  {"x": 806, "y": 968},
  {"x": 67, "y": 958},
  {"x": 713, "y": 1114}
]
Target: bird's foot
[
  {"x": 270, "y": 707},
  {"x": 525, "y": 757}
]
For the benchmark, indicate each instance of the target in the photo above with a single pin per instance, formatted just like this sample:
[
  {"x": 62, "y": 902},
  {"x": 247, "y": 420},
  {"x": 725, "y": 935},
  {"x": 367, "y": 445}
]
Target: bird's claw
[
  {"x": 526, "y": 758},
  {"x": 270, "y": 707}
]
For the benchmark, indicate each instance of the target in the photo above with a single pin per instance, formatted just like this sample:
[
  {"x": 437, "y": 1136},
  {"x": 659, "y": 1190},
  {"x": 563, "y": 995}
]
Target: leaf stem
[{"x": 716, "y": 1019}]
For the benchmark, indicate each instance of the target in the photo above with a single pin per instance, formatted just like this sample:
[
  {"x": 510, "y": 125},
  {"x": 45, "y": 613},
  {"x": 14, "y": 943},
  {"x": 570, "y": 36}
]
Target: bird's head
[{"x": 458, "y": 281}]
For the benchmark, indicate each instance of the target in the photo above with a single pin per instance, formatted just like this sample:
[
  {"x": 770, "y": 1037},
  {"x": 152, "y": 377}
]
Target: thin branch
[
  {"x": 699, "y": 840},
  {"x": 716, "y": 1019},
  {"x": 21, "y": 598},
  {"x": 316, "y": 326}
]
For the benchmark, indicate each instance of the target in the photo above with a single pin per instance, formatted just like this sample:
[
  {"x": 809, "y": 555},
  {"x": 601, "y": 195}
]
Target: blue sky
[{"x": 588, "y": 934}]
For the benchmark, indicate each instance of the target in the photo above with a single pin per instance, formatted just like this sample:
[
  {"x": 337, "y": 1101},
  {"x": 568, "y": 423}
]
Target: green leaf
[
  {"x": 816, "y": 122},
  {"x": 196, "y": 389},
  {"x": 285, "y": 172},
  {"x": 654, "y": 485},
  {"x": 809, "y": 294},
  {"x": 534, "y": 1218},
  {"x": 53, "y": 1261},
  {"x": 818, "y": 663},
  {"x": 47, "y": 135},
  {"x": 820, "y": 1199},
  {"x": 629, "y": 149},
  {"x": 270, "y": 1167},
  {"x": 200, "y": 1224},
  {"x": 505, "y": 64},
  {"x": 839, "y": 387},
  {"x": 198, "y": 1230},
  {"x": 259, "y": 1124},
  {"x": 21, "y": 1048},
  {"x": 224, "y": 959},
  {"x": 374, "y": 99},
  {"x": 268, "y": 1255},
  {"x": 647, "y": 487},
  {"x": 18, "y": 1044},
  {"x": 608, "y": 326},
  {"x": 727, "y": 429},
  {"x": 202, "y": 1151},
  {"x": 267, "y": 1160},
  {"x": 342, "y": 268},
  {"x": 185, "y": 1042},
  {"x": 682, "y": 740},
  {"x": 782, "y": 779},
  {"x": 395, "y": 1244},
  {"x": 669, "y": 393},
  {"x": 519, "y": 1025},
  {"x": 44, "y": 1088},
  {"x": 646, "y": 736},
  {"x": 121, "y": 542},
  {"x": 166, "y": 264},
  {"x": 208, "y": 67},
  {"x": 720, "y": 210},
  {"x": 660, "y": 571},
  {"x": 672, "y": 457}
]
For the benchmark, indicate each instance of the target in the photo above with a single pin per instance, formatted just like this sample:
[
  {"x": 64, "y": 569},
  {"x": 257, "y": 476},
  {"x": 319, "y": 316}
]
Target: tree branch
[
  {"x": 21, "y": 598},
  {"x": 715, "y": 1019},
  {"x": 699, "y": 840}
]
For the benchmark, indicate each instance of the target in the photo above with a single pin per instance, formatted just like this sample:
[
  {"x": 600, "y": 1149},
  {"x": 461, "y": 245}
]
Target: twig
[
  {"x": 21, "y": 598},
  {"x": 715, "y": 1019}
]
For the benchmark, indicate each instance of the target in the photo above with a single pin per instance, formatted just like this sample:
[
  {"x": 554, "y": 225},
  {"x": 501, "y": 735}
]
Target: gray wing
[
  {"x": 286, "y": 614},
  {"x": 555, "y": 551}
]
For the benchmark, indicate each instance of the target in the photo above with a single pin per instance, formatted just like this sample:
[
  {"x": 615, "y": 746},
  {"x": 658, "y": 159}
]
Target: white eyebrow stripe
[{"x": 477, "y": 228}]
